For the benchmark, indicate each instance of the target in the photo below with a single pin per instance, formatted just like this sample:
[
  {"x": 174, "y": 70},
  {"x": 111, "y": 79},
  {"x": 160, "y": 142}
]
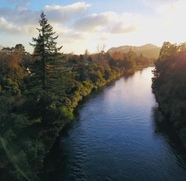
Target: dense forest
[
  {"x": 39, "y": 92},
  {"x": 169, "y": 85}
]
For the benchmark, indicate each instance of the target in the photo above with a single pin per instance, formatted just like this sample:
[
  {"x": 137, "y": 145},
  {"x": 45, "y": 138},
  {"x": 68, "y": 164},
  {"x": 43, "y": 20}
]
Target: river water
[{"x": 117, "y": 136}]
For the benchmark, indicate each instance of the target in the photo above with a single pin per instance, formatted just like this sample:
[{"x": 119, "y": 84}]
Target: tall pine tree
[{"x": 45, "y": 51}]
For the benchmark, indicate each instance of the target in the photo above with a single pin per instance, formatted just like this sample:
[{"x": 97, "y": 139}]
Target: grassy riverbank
[
  {"x": 32, "y": 120},
  {"x": 39, "y": 92}
]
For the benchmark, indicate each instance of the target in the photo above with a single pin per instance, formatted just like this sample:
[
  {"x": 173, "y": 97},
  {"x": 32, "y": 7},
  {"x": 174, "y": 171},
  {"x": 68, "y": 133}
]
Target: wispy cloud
[
  {"x": 176, "y": 9},
  {"x": 94, "y": 22},
  {"x": 62, "y": 14},
  {"x": 79, "y": 27},
  {"x": 119, "y": 28},
  {"x": 19, "y": 4},
  {"x": 7, "y": 27},
  {"x": 156, "y": 2}
]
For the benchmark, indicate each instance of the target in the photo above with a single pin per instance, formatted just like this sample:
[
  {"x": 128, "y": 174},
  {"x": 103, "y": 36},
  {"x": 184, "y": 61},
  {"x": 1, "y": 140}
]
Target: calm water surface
[{"x": 117, "y": 136}]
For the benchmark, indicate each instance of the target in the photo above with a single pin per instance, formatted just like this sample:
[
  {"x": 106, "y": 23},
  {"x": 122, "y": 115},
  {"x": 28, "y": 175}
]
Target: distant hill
[{"x": 148, "y": 50}]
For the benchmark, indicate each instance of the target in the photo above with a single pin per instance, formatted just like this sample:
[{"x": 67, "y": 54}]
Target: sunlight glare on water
[{"x": 116, "y": 137}]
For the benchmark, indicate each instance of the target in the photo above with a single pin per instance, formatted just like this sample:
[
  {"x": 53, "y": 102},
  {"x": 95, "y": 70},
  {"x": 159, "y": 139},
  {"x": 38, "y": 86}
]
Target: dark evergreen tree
[{"x": 45, "y": 50}]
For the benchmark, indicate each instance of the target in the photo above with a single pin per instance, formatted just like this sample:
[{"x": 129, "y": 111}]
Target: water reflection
[
  {"x": 163, "y": 129},
  {"x": 126, "y": 77},
  {"x": 117, "y": 136},
  {"x": 56, "y": 166}
]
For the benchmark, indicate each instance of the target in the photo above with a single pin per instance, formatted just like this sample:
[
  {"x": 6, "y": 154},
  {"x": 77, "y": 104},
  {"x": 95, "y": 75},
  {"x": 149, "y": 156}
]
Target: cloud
[
  {"x": 18, "y": 22},
  {"x": 19, "y": 16},
  {"x": 126, "y": 23},
  {"x": 103, "y": 38},
  {"x": 153, "y": 3},
  {"x": 77, "y": 36},
  {"x": 108, "y": 22},
  {"x": 78, "y": 29},
  {"x": 173, "y": 15},
  {"x": 94, "y": 22},
  {"x": 62, "y": 14},
  {"x": 7, "y": 27},
  {"x": 120, "y": 28},
  {"x": 176, "y": 10},
  {"x": 20, "y": 4},
  {"x": 55, "y": 13}
]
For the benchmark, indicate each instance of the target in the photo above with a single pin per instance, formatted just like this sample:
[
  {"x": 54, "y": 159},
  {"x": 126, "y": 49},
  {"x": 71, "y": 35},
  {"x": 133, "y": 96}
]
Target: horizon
[
  {"x": 85, "y": 25},
  {"x": 119, "y": 46}
]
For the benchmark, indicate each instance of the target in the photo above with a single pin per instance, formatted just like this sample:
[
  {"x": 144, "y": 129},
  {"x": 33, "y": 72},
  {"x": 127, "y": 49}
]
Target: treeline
[
  {"x": 38, "y": 94},
  {"x": 130, "y": 60},
  {"x": 169, "y": 85}
]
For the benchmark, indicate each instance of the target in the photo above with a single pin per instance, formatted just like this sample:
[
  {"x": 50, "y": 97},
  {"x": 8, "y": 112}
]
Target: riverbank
[
  {"x": 107, "y": 138},
  {"x": 32, "y": 116},
  {"x": 169, "y": 84},
  {"x": 79, "y": 96},
  {"x": 38, "y": 121}
]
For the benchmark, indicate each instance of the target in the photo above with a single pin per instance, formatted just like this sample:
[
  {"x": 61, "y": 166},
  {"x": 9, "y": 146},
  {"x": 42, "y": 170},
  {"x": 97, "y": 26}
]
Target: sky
[{"x": 89, "y": 24}]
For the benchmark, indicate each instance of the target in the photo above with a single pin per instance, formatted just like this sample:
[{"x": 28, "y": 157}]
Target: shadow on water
[
  {"x": 126, "y": 77},
  {"x": 56, "y": 162},
  {"x": 162, "y": 128},
  {"x": 59, "y": 164},
  {"x": 56, "y": 166}
]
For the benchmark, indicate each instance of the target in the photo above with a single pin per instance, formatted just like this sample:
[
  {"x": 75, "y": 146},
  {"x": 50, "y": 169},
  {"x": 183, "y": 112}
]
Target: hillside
[{"x": 148, "y": 50}]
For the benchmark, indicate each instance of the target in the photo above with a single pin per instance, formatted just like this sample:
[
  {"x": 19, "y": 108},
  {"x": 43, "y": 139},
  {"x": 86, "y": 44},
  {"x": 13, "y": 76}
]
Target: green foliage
[
  {"x": 169, "y": 84},
  {"x": 67, "y": 113},
  {"x": 129, "y": 61},
  {"x": 9, "y": 87},
  {"x": 38, "y": 96},
  {"x": 45, "y": 49}
]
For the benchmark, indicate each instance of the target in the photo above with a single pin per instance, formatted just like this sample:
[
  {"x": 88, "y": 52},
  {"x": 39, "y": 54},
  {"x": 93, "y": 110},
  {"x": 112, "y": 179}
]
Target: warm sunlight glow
[
  {"x": 86, "y": 24},
  {"x": 173, "y": 15}
]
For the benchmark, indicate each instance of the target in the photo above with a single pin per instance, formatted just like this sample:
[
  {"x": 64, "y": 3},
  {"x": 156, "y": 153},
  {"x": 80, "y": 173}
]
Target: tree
[
  {"x": 117, "y": 55},
  {"x": 20, "y": 47},
  {"x": 11, "y": 62},
  {"x": 168, "y": 50},
  {"x": 45, "y": 48},
  {"x": 86, "y": 54},
  {"x": 101, "y": 51}
]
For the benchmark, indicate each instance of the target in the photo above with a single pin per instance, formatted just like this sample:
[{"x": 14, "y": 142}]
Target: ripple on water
[{"x": 116, "y": 137}]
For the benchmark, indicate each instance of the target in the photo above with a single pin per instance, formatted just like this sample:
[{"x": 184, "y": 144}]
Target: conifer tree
[{"x": 45, "y": 50}]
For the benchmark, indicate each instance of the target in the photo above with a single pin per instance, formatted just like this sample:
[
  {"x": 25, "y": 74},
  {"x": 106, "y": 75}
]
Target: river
[{"x": 117, "y": 136}]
